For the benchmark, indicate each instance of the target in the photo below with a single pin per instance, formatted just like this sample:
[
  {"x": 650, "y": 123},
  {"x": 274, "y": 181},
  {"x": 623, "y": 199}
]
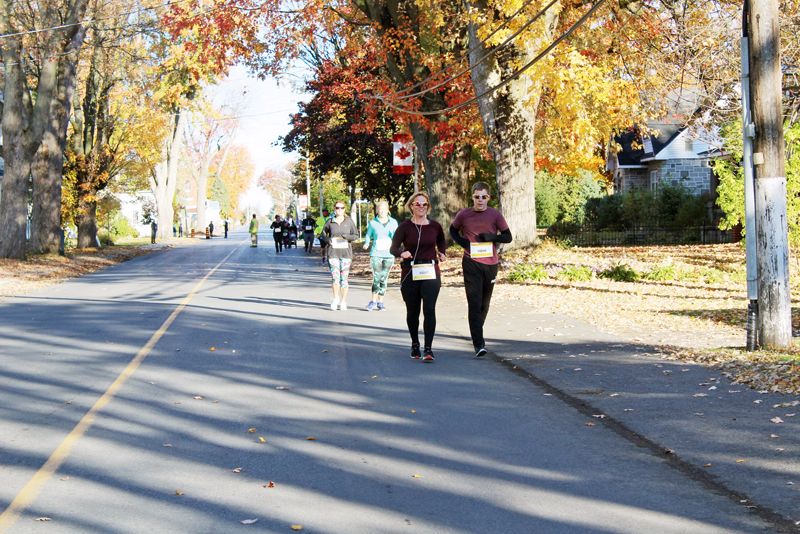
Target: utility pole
[{"x": 772, "y": 232}]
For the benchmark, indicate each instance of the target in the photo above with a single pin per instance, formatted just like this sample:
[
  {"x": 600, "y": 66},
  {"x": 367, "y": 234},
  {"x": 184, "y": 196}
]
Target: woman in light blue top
[{"x": 380, "y": 231}]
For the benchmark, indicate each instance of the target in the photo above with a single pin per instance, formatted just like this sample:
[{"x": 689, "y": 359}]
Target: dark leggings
[
  {"x": 278, "y": 242},
  {"x": 479, "y": 281},
  {"x": 422, "y": 295}
]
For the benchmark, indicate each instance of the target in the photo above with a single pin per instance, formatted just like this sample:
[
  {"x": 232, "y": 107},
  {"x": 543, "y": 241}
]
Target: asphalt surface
[{"x": 127, "y": 400}]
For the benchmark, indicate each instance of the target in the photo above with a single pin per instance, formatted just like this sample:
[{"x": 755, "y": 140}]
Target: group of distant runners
[{"x": 420, "y": 244}]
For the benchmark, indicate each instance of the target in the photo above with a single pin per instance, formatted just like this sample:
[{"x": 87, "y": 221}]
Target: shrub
[
  {"x": 523, "y": 273},
  {"x": 659, "y": 274},
  {"x": 575, "y": 273},
  {"x": 620, "y": 273},
  {"x": 121, "y": 227}
]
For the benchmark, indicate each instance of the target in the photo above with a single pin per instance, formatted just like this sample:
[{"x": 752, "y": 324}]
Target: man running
[
  {"x": 308, "y": 224},
  {"x": 254, "y": 231},
  {"x": 477, "y": 230}
]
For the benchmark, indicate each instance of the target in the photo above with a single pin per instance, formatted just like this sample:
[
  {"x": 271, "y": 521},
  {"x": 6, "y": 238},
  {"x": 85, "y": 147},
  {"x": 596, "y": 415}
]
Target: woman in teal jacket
[{"x": 380, "y": 231}]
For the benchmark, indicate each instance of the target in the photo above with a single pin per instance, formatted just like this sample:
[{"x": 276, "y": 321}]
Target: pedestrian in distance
[
  {"x": 337, "y": 234},
  {"x": 277, "y": 233},
  {"x": 180, "y": 230},
  {"x": 420, "y": 243},
  {"x": 308, "y": 224},
  {"x": 378, "y": 241},
  {"x": 174, "y": 231},
  {"x": 211, "y": 229},
  {"x": 321, "y": 220},
  {"x": 254, "y": 231},
  {"x": 153, "y": 229},
  {"x": 225, "y": 226},
  {"x": 478, "y": 230}
]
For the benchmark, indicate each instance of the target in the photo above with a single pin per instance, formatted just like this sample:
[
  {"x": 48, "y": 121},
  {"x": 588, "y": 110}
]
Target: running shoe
[
  {"x": 481, "y": 352},
  {"x": 370, "y": 306},
  {"x": 415, "y": 354},
  {"x": 428, "y": 355},
  {"x": 381, "y": 307},
  {"x": 334, "y": 304},
  {"x": 343, "y": 306}
]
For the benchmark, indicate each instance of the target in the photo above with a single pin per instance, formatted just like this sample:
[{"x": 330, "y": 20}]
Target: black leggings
[
  {"x": 421, "y": 294},
  {"x": 278, "y": 242}
]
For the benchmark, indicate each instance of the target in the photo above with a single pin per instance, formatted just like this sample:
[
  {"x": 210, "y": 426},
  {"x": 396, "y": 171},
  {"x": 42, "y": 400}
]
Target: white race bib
[
  {"x": 383, "y": 243},
  {"x": 309, "y": 228},
  {"x": 425, "y": 271},
  {"x": 338, "y": 242},
  {"x": 481, "y": 250},
  {"x": 278, "y": 230}
]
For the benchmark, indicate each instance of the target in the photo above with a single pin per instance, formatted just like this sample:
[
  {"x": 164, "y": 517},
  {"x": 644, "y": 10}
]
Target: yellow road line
[{"x": 32, "y": 488}]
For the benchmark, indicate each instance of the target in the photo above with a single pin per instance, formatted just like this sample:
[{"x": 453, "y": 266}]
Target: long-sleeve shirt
[
  {"x": 422, "y": 241},
  {"x": 382, "y": 235},
  {"x": 346, "y": 230}
]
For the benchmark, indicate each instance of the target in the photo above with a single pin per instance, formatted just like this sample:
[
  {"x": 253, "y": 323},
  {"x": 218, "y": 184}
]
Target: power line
[
  {"x": 508, "y": 80},
  {"x": 466, "y": 54},
  {"x": 30, "y": 32},
  {"x": 481, "y": 60}
]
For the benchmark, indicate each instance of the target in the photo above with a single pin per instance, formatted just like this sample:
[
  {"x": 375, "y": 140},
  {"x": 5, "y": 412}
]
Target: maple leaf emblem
[{"x": 403, "y": 153}]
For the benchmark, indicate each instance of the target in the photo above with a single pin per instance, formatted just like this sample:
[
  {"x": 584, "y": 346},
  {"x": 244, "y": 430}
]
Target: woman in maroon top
[{"x": 419, "y": 242}]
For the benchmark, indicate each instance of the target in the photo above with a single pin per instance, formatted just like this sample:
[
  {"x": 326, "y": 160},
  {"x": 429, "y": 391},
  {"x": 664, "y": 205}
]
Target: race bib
[
  {"x": 425, "y": 271},
  {"x": 309, "y": 228},
  {"x": 278, "y": 231},
  {"x": 338, "y": 242},
  {"x": 383, "y": 244},
  {"x": 481, "y": 250}
]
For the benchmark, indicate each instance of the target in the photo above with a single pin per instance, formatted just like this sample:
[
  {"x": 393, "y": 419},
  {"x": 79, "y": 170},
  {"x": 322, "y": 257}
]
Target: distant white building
[{"x": 133, "y": 207}]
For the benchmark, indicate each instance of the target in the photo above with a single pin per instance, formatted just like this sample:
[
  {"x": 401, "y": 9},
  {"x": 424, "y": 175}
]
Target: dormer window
[{"x": 688, "y": 144}]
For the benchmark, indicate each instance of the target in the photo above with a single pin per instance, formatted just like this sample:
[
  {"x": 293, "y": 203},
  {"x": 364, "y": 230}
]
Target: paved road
[{"x": 167, "y": 394}]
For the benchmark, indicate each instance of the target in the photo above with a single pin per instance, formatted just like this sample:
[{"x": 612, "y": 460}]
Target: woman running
[
  {"x": 339, "y": 231},
  {"x": 379, "y": 234},
  {"x": 420, "y": 243}
]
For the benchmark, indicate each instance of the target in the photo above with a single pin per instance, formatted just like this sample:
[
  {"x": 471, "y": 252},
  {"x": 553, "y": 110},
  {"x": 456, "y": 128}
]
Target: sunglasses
[
  {"x": 420, "y": 204},
  {"x": 480, "y": 197},
  {"x": 339, "y": 208}
]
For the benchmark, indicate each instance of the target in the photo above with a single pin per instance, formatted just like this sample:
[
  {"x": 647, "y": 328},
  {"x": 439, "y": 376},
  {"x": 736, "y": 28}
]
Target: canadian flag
[{"x": 403, "y": 149}]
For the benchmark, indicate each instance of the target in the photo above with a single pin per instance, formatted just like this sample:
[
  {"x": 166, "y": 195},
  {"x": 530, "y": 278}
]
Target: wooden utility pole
[{"x": 772, "y": 230}]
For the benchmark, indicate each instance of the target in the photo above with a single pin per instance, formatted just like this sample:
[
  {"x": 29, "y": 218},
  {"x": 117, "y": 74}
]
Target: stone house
[{"x": 662, "y": 153}]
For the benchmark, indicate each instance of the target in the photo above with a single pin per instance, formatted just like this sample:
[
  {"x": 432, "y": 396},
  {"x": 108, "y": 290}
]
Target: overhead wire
[
  {"x": 466, "y": 54},
  {"x": 87, "y": 21},
  {"x": 486, "y": 56},
  {"x": 508, "y": 80}
]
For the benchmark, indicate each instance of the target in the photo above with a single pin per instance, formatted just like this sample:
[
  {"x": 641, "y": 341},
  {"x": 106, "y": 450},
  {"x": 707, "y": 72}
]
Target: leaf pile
[{"x": 18, "y": 277}]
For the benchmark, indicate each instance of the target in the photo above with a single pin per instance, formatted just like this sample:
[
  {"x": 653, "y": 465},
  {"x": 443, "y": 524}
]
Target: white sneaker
[
  {"x": 334, "y": 304},
  {"x": 343, "y": 306}
]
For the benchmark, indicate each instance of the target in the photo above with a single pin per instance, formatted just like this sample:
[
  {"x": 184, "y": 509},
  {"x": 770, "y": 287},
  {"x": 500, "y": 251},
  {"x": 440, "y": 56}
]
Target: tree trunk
[
  {"x": 201, "y": 178},
  {"x": 19, "y": 146},
  {"x": 165, "y": 176},
  {"x": 48, "y": 170},
  {"x": 86, "y": 221},
  {"x": 772, "y": 245},
  {"x": 508, "y": 116}
]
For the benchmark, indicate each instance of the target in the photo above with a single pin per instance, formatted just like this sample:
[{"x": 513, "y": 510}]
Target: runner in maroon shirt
[{"x": 477, "y": 230}]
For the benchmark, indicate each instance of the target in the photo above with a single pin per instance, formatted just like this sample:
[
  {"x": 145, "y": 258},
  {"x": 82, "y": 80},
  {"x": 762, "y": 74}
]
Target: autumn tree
[
  {"x": 210, "y": 132},
  {"x": 344, "y": 134},
  {"x": 40, "y": 44},
  {"x": 96, "y": 150}
]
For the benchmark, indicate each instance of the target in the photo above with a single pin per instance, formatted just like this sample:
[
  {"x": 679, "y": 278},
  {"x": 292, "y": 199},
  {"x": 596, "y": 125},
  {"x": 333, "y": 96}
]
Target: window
[
  {"x": 688, "y": 144},
  {"x": 653, "y": 180}
]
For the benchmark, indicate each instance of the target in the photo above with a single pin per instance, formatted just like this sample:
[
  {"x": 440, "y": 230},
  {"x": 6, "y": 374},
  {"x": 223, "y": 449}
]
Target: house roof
[{"x": 648, "y": 145}]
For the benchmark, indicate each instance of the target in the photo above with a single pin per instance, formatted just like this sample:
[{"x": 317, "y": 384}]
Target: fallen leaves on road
[
  {"x": 179, "y": 492},
  {"x": 247, "y": 521},
  {"x": 42, "y": 519},
  {"x": 297, "y": 527}
]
